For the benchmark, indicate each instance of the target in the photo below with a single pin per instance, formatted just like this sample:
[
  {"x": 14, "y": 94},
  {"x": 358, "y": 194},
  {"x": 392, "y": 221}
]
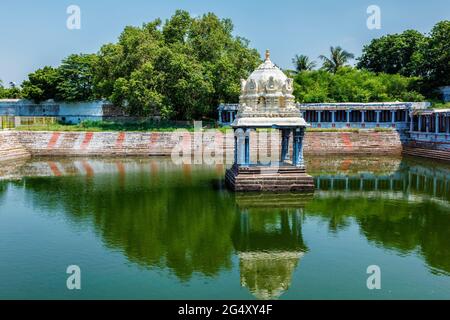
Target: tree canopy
[
  {"x": 394, "y": 53},
  {"x": 338, "y": 58},
  {"x": 303, "y": 63},
  {"x": 72, "y": 81},
  {"x": 184, "y": 67},
  {"x": 412, "y": 54},
  {"x": 352, "y": 85},
  {"x": 75, "y": 78},
  {"x": 180, "y": 69},
  {"x": 41, "y": 84},
  {"x": 434, "y": 57},
  {"x": 9, "y": 93}
]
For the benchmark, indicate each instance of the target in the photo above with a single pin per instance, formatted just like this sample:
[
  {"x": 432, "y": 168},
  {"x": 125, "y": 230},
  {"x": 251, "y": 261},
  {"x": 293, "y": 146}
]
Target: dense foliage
[
  {"x": 352, "y": 85},
  {"x": 72, "y": 81},
  {"x": 412, "y": 54},
  {"x": 9, "y": 93},
  {"x": 394, "y": 53},
  {"x": 182, "y": 69}
]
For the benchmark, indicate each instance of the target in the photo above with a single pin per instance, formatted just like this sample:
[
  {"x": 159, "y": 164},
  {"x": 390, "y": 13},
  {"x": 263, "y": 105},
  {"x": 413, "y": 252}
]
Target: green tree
[
  {"x": 2, "y": 90},
  {"x": 338, "y": 59},
  {"x": 41, "y": 84},
  {"x": 76, "y": 78},
  {"x": 13, "y": 92},
  {"x": 352, "y": 85},
  {"x": 194, "y": 63},
  {"x": 435, "y": 57},
  {"x": 303, "y": 63},
  {"x": 176, "y": 29},
  {"x": 395, "y": 53}
]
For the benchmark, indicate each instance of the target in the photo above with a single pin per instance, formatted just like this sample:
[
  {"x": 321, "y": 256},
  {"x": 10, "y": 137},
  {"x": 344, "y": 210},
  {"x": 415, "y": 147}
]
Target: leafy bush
[{"x": 352, "y": 85}]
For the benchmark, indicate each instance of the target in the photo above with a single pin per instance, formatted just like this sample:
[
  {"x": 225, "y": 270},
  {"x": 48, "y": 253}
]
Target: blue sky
[{"x": 34, "y": 33}]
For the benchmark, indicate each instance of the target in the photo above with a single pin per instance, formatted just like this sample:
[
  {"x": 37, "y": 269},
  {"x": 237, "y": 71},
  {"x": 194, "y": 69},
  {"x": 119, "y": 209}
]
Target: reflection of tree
[
  {"x": 397, "y": 225},
  {"x": 172, "y": 222},
  {"x": 3, "y": 189},
  {"x": 5, "y": 185},
  {"x": 175, "y": 219},
  {"x": 423, "y": 227}
]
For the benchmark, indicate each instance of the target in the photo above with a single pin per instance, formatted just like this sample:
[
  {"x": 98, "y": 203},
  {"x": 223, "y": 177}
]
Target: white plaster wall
[
  {"x": 80, "y": 111},
  {"x": 69, "y": 112}
]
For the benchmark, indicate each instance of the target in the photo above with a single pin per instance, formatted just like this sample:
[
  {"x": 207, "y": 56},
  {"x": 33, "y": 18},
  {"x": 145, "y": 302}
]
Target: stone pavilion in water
[{"x": 267, "y": 102}]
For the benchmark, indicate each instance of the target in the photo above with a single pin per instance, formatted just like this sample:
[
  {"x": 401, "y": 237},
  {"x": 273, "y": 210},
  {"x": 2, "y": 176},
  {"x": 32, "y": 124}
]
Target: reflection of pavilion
[
  {"x": 268, "y": 274},
  {"x": 269, "y": 242},
  {"x": 409, "y": 179}
]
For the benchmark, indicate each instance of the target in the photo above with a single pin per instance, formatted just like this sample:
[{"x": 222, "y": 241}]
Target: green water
[{"x": 147, "y": 229}]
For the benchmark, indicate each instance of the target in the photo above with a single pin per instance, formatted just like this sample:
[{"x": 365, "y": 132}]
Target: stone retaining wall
[
  {"x": 22, "y": 144},
  {"x": 428, "y": 149},
  {"x": 162, "y": 144},
  {"x": 362, "y": 142},
  {"x": 10, "y": 147}
]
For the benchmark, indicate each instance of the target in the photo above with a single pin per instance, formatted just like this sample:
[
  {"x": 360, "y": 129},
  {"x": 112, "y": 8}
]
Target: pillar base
[{"x": 272, "y": 179}]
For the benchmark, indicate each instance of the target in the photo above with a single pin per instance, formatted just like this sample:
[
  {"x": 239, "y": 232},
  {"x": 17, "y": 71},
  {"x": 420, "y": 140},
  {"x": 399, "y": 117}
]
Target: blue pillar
[
  {"x": 427, "y": 125},
  {"x": 294, "y": 150},
  {"x": 284, "y": 145},
  {"x": 393, "y": 116},
  {"x": 436, "y": 129},
  {"x": 363, "y": 116},
  {"x": 240, "y": 147},
  {"x": 447, "y": 124},
  {"x": 348, "y": 116},
  {"x": 247, "y": 147},
  {"x": 319, "y": 116},
  {"x": 378, "y": 116},
  {"x": 298, "y": 148},
  {"x": 333, "y": 116},
  {"x": 419, "y": 129},
  {"x": 235, "y": 149},
  {"x": 300, "y": 151}
]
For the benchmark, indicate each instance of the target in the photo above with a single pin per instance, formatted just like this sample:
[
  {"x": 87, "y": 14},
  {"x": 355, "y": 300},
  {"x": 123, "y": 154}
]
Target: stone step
[
  {"x": 427, "y": 153},
  {"x": 269, "y": 182}
]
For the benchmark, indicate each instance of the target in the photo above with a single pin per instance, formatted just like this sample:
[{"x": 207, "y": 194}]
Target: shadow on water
[{"x": 163, "y": 216}]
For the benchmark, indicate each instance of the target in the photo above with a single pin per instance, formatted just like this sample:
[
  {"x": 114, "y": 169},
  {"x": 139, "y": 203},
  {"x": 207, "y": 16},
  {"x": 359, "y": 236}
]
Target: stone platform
[{"x": 275, "y": 179}]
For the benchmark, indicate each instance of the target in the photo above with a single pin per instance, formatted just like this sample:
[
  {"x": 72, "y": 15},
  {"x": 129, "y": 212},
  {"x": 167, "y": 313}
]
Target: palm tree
[
  {"x": 303, "y": 63},
  {"x": 337, "y": 59}
]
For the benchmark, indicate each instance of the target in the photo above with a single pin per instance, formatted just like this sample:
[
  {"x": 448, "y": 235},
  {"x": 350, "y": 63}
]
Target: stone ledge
[
  {"x": 278, "y": 181},
  {"x": 161, "y": 143}
]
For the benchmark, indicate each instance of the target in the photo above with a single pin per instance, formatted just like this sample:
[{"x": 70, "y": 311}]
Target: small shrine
[{"x": 267, "y": 102}]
